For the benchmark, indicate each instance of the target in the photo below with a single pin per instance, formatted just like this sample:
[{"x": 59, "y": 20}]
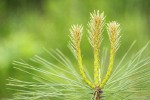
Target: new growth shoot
[{"x": 96, "y": 27}]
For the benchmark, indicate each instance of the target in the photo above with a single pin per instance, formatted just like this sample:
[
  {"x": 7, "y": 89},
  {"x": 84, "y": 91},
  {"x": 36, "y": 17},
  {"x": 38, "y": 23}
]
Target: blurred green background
[{"x": 26, "y": 26}]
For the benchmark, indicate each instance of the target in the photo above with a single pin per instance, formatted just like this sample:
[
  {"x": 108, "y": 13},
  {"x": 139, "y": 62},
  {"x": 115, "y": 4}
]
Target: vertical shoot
[{"x": 96, "y": 25}]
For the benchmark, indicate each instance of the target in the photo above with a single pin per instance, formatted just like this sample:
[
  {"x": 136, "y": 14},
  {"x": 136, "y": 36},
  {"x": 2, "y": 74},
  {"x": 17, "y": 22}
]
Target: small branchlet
[
  {"x": 76, "y": 34},
  {"x": 113, "y": 29},
  {"x": 96, "y": 25}
]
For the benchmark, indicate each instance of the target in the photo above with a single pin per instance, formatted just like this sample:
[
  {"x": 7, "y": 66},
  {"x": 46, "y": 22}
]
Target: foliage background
[{"x": 26, "y": 26}]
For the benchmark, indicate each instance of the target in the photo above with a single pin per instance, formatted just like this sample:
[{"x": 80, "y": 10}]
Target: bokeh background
[{"x": 28, "y": 26}]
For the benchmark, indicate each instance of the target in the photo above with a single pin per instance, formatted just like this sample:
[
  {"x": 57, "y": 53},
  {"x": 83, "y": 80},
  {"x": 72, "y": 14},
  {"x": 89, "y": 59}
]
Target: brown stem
[
  {"x": 98, "y": 93},
  {"x": 98, "y": 97}
]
